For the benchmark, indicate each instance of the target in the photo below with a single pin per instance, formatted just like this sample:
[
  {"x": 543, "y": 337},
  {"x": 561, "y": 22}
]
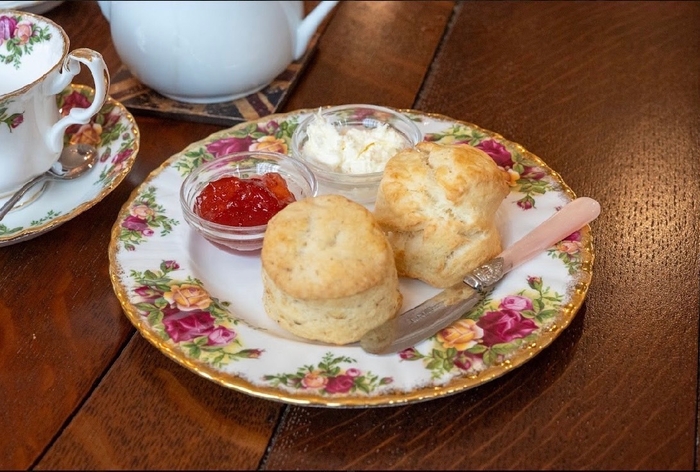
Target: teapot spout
[
  {"x": 105, "y": 7},
  {"x": 309, "y": 26}
]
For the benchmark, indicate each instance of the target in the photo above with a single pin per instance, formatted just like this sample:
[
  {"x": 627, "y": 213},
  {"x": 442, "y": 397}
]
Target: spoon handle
[{"x": 18, "y": 194}]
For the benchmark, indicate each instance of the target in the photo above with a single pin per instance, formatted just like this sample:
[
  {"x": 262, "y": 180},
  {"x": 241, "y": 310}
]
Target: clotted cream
[{"x": 351, "y": 150}]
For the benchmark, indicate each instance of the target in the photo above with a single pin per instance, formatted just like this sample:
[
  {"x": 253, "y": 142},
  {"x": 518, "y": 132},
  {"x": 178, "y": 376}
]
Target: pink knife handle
[{"x": 569, "y": 219}]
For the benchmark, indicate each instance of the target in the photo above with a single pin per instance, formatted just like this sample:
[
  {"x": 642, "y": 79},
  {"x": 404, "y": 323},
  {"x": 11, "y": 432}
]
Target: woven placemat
[{"x": 140, "y": 99}]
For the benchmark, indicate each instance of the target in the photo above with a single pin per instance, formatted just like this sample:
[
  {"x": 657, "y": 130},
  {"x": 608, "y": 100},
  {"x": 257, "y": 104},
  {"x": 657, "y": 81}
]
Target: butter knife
[{"x": 451, "y": 304}]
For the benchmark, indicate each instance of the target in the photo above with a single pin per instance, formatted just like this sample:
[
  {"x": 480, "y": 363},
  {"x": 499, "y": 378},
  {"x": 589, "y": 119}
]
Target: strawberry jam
[{"x": 233, "y": 201}]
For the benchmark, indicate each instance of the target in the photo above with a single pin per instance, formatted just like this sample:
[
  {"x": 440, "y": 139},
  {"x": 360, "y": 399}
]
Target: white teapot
[{"x": 208, "y": 52}]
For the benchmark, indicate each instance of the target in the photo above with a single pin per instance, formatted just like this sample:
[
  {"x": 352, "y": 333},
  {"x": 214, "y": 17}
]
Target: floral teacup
[{"x": 35, "y": 66}]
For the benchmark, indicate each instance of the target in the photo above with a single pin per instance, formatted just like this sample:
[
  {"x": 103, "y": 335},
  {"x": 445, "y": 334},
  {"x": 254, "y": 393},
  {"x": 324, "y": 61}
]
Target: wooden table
[{"x": 605, "y": 92}]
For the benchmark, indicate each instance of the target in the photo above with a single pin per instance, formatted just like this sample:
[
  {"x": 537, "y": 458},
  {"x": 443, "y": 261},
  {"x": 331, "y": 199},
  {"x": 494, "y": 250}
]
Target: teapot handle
[{"x": 309, "y": 26}]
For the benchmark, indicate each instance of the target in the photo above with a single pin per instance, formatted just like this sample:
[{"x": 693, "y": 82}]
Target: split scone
[
  {"x": 328, "y": 270},
  {"x": 437, "y": 204}
]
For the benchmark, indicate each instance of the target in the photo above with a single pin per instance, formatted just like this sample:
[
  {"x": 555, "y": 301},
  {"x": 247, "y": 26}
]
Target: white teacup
[{"x": 35, "y": 66}]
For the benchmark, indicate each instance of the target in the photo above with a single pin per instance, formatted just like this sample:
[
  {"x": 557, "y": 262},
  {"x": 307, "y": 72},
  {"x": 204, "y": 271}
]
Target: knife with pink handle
[{"x": 451, "y": 304}]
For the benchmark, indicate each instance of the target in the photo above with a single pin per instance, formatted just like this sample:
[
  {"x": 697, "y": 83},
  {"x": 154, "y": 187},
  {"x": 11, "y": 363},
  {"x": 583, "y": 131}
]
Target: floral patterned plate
[
  {"x": 114, "y": 132},
  {"x": 202, "y": 307}
]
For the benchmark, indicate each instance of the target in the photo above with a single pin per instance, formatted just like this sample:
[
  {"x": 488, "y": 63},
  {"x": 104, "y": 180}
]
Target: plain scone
[
  {"x": 437, "y": 204},
  {"x": 328, "y": 270}
]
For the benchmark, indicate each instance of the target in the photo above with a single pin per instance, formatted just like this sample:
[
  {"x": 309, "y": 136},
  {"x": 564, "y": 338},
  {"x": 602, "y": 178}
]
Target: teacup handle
[{"x": 78, "y": 116}]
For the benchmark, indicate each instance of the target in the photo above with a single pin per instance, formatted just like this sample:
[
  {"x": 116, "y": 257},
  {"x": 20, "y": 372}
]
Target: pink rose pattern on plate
[
  {"x": 328, "y": 378},
  {"x": 568, "y": 250},
  {"x": 491, "y": 332},
  {"x": 270, "y": 136},
  {"x": 145, "y": 217},
  {"x": 184, "y": 312}
]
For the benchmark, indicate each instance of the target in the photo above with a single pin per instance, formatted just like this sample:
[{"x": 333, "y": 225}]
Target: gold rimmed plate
[
  {"x": 202, "y": 307},
  {"x": 113, "y": 131}
]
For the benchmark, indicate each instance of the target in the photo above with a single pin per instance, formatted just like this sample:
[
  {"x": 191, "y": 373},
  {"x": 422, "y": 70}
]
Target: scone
[
  {"x": 437, "y": 203},
  {"x": 328, "y": 270}
]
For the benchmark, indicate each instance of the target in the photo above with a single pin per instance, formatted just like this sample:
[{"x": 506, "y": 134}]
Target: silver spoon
[{"x": 75, "y": 160}]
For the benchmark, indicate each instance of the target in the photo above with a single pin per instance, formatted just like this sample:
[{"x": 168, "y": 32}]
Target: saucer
[{"x": 115, "y": 134}]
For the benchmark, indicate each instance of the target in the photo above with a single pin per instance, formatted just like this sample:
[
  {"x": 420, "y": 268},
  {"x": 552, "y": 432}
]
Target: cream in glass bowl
[{"x": 348, "y": 146}]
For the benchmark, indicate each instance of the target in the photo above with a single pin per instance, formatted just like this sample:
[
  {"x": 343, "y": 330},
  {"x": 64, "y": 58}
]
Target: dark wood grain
[
  {"x": 200, "y": 424},
  {"x": 373, "y": 52},
  {"x": 607, "y": 94}
]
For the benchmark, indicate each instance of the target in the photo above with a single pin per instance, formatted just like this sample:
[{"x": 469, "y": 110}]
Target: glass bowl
[
  {"x": 360, "y": 187},
  {"x": 300, "y": 180}
]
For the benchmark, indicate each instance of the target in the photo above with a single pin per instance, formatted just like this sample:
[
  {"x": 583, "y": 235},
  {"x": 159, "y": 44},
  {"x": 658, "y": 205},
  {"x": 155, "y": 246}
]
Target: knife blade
[{"x": 438, "y": 312}]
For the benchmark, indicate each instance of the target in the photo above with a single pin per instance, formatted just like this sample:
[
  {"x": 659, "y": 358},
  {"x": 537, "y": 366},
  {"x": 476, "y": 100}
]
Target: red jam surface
[{"x": 233, "y": 201}]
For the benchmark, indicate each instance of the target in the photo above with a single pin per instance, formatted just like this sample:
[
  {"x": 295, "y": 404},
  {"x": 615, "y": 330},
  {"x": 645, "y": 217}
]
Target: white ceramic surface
[
  {"x": 35, "y": 66},
  {"x": 202, "y": 306},
  {"x": 207, "y": 52}
]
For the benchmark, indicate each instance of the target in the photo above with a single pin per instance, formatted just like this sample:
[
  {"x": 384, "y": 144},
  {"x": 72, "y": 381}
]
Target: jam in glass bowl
[{"x": 229, "y": 200}]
